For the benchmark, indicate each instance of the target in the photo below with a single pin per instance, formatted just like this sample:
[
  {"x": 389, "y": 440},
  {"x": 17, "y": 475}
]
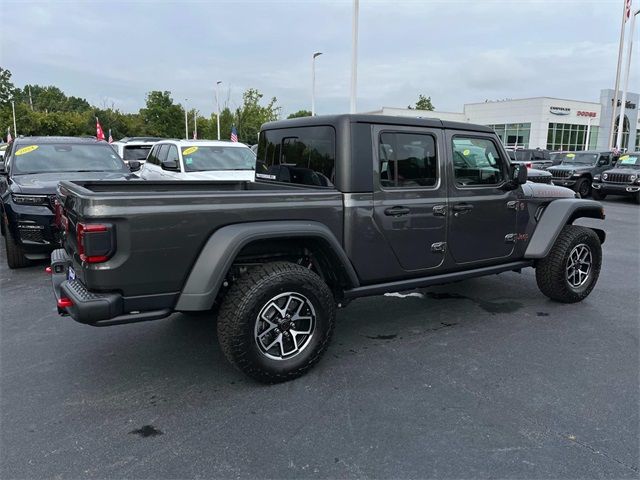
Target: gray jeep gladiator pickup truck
[{"x": 343, "y": 207}]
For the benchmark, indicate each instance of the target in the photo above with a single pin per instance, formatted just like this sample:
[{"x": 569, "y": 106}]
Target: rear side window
[
  {"x": 137, "y": 152},
  {"x": 407, "y": 160},
  {"x": 302, "y": 156}
]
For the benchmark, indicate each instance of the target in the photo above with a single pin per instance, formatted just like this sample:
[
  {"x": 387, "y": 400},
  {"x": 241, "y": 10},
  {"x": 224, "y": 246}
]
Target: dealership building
[{"x": 546, "y": 122}]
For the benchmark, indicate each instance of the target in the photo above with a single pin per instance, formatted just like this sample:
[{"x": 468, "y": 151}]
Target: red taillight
[
  {"x": 528, "y": 164},
  {"x": 65, "y": 302},
  {"x": 86, "y": 229},
  {"x": 48, "y": 270}
]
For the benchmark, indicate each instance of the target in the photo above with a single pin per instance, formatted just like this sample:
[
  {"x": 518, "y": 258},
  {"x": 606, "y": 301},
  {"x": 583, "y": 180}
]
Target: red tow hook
[
  {"x": 48, "y": 270},
  {"x": 65, "y": 302}
]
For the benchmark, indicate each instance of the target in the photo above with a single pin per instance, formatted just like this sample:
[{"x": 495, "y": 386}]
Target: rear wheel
[
  {"x": 15, "y": 253},
  {"x": 571, "y": 269},
  {"x": 583, "y": 187},
  {"x": 276, "y": 321},
  {"x": 597, "y": 195}
]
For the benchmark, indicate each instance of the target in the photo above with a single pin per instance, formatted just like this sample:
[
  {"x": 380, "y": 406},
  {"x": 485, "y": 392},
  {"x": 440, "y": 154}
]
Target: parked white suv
[
  {"x": 199, "y": 160},
  {"x": 134, "y": 148}
]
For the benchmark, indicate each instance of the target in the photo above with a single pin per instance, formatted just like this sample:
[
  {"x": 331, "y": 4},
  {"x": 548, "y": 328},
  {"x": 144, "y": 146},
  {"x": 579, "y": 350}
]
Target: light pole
[
  {"x": 623, "y": 101},
  {"x": 186, "y": 120},
  {"x": 617, "y": 87},
  {"x": 218, "y": 108},
  {"x": 354, "y": 56},
  {"x": 13, "y": 108},
  {"x": 313, "y": 83}
]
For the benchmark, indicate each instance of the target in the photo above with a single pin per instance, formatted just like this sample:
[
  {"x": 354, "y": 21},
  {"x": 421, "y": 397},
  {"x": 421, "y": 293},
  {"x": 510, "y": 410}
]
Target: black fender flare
[
  {"x": 556, "y": 215},
  {"x": 224, "y": 245}
]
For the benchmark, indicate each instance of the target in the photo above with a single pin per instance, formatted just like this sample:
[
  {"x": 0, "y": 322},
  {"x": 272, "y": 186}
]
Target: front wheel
[
  {"x": 571, "y": 269},
  {"x": 15, "y": 253},
  {"x": 275, "y": 322},
  {"x": 583, "y": 187}
]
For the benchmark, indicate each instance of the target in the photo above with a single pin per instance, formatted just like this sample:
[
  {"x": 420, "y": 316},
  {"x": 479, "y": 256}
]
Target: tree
[
  {"x": 423, "y": 103},
  {"x": 300, "y": 113},
  {"x": 251, "y": 115},
  {"x": 7, "y": 90},
  {"x": 161, "y": 117}
]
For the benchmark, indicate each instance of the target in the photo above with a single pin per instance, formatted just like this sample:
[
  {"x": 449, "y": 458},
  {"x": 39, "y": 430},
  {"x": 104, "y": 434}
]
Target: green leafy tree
[
  {"x": 251, "y": 115},
  {"x": 7, "y": 89},
  {"x": 300, "y": 113},
  {"x": 423, "y": 103},
  {"x": 161, "y": 117}
]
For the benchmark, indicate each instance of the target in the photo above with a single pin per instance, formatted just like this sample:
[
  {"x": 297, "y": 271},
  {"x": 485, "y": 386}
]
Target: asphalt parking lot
[{"x": 484, "y": 378}]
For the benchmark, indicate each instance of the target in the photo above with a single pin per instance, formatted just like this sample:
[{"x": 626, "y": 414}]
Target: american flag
[
  {"x": 110, "y": 137},
  {"x": 99, "y": 132},
  {"x": 627, "y": 10},
  {"x": 9, "y": 137},
  {"x": 234, "y": 134}
]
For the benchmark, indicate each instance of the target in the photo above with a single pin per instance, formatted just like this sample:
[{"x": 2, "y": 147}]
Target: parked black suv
[
  {"x": 577, "y": 169},
  {"x": 624, "y": 179},
  {"x": 29, "y": 175},
  {"x": 531, "y": 157}
]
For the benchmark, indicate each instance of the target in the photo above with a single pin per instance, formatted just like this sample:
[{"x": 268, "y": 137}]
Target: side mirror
[
  {"x": 520, "y": 174},
  {"x": 171, "y": 165},
  {"x": 134, "y": 165},
  {"x": 602, "y": 161}
]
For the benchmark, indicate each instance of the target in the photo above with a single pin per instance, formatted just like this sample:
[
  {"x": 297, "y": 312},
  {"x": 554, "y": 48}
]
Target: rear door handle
[
  {"x": 462, "y": 207},
  {"x": 397, "y": 211}
]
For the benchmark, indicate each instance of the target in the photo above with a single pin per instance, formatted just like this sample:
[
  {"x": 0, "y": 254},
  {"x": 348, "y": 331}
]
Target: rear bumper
[{"x": 99, "y": 309}]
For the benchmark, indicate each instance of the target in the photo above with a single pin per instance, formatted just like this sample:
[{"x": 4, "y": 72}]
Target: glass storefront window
[
  {"x": 513, "y": 134},
  {"x": 566, "y": 136}
]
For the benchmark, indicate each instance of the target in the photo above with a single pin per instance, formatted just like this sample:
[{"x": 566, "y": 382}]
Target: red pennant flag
[{"x": 99, "y": 132}]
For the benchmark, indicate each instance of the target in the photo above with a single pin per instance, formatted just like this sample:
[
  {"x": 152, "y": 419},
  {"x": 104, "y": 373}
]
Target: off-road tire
[
  {"x": 245, "y": 300},
  {"x": 551, "y": 271},
  {"x": 14, "y": 252},
  {"x": 597, "y": 195},
  {"x": 583, "y": 187}
]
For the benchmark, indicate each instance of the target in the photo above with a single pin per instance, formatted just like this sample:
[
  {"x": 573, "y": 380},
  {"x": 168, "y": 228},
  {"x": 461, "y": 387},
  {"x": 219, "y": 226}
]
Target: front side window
[
  {"x": 61, "y": 157},
  {"x": 476, "y": 161},
  {"x": 303, "y": 156},
  {"x": 407, "y": 160},
  {"x": 211, "y": 158}
]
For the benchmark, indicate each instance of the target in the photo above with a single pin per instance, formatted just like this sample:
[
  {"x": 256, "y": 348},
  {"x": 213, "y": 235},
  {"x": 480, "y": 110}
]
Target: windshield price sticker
[
  {"x": 571, "y": 155},
  {"x": 28, "y": 149},
  {"x": 189, "y": 151},
  {"x": 466, "y": 152}
]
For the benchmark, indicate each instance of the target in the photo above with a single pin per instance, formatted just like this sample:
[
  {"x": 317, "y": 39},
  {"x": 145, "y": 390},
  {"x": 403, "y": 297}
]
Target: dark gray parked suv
[
  {"x": 577, "y": 169},
  {"x": 343, "y": 207}
]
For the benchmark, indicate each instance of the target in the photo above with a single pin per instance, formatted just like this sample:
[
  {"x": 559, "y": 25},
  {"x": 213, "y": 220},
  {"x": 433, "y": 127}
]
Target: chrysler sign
[{"x": 560, "y": 110}]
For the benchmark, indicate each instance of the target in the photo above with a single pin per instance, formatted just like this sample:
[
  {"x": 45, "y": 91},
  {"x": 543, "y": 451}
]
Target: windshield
[
  {"x": 136, "y": 152},
  {"x": 577, "y": 157},
  {"x": 60, "y": 157},
  {"x": 627, "y": 161},
  {"x": 203, "y": 158}
]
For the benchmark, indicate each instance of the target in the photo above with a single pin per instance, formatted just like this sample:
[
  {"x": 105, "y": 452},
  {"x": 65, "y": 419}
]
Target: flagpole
[
  {"x": 354, "y": 57},
  {"x": 623, "y": 101},
  {"x": 186, "y": 121},
  {"x": 617, "y": 87},
  {"x": 15, "y": 129},
  {"x": 218, "y": 108},
  {"x": 195, "y": 124}
]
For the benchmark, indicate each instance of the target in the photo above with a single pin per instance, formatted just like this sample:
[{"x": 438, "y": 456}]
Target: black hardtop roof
[
  {"x": 374, "y": 119},
  {"x": 50, "y": 140}
]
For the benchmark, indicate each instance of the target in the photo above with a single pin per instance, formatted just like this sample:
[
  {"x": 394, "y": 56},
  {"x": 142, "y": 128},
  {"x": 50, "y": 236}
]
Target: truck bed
[{"x": 161, "y": 227}]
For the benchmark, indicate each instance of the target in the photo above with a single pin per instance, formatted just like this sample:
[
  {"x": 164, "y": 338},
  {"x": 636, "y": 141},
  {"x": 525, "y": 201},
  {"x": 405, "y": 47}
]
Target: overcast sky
[{"x": 456, "y": 51}]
